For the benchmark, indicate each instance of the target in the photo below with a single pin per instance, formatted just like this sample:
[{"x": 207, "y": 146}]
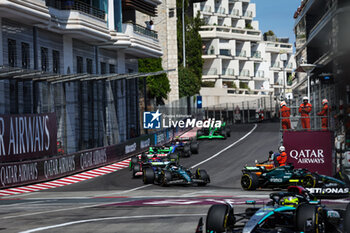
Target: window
[
  {"x": 12, "y": 52},
  {"x": 89, "y": 65},
  {"x": 55, "y": 61},
  {"x": 25, "y": 56},
  {"x": 103, "y": 68},
  {"x": 44, "y": 59},
  {"x": 111, "y": 69},
  {"x": 80, "y": 65}
]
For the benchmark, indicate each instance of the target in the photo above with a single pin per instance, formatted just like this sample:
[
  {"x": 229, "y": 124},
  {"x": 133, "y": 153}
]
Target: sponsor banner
[
  {"x": 22, "y": 173},
  {"x": 310, "y": 149},
  {"x": 29, "y": 136}
]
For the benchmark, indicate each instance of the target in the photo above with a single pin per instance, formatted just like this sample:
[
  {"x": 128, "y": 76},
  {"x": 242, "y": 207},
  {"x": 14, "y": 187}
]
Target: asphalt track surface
[{"x": 118, "y": 203}]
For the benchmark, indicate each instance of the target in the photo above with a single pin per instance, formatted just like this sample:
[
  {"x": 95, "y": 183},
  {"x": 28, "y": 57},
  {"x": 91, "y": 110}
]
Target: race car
[
  {"x": 293, "y": 211},
  {"x": 183, "y": 147},
  {"x": 266, "y": 176},
  {"x": 138, "y": 163},
  {"x": 175, "y": 174},
  {"x": 222, "y": 132}
]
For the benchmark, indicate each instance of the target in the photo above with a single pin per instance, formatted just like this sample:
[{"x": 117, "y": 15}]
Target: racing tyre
[
  {"x": 228, "y": 131},
  {"x": 219, "y": 218},
  {"x": 166, "y": 177},
  {"x": 309, "y": 181},
  {"x": 187, "y": 151},
  {"x": 194, "y": 147},
  {"x": 136, "y": 168},
  {"x": 347, "y": 219},
  {"x": 148, "y": 176},
  {"x": 223, "y": 133},
  {"x": 203, "y": 175},
  {"x": 309, "y": 219},
  {"x": 249, "y": 181}
]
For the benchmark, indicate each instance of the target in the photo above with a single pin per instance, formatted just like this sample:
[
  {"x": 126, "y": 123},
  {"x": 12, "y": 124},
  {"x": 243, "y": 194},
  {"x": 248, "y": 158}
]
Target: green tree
[
  {"x": 188, "y": 82},
  {"x": 158, "y": 86},
  {"x": 194, "y": 61}
]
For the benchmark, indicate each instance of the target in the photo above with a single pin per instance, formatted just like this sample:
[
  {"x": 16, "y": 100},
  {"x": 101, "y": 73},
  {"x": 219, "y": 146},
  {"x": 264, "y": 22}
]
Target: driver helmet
[
  {"x": 305, "y": 98},
  {"x": 283, "y": 103},
  {"x": 324, "y": 101},
  {"x": 289, "y": 201},
  {"x": 282, "y": 149}
]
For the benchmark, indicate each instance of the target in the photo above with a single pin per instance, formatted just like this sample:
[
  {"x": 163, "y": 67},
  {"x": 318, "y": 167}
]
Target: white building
[
  {"x": 280, "y": 57},
  {"x": 236, "y": 60},
  {"x": 62, "y": 56}
]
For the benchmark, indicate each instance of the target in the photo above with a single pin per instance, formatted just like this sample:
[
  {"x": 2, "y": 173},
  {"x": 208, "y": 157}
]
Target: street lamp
[
  {"x": 308, "y": 68},
  {"x": 183, "y": 34}
]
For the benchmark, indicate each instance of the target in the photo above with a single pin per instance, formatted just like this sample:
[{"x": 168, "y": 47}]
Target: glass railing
[
  {"x": 244, "y": 73},
  {"x": 256, "y": 54},
  {"x": 234, "y": 12},
  {"x": 220, "y": 10},
  {"x": 212, "y": 71},
  {"x": 225, "y": 52},
  {"x": 260, "y": 74},
  {"x": 248, "y": 14},
  {"x": 241, "y": 53},
  {"x": 78, "y": 6},
  {"x": 206, "y": 9},
  {"x": 145, "y": 31},
  {"x": 276, "y": 65},
  {"x": 228, "y": 71}
]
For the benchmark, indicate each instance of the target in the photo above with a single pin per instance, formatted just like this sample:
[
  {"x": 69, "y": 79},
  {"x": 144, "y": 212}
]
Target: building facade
[
  {"x": 67, "y": 57},
  {"x": 322, "y": 39},
  {"x": 238, "y": 64}
]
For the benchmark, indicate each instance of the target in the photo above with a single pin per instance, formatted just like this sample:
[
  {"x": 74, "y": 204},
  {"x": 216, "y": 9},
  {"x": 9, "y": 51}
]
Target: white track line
[
  {"x": 110, "y": 218},
  {"x": 226, "y": 148}
]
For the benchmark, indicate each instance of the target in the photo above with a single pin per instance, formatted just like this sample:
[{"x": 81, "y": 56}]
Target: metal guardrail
[
  {"x": 77, "y": 5},
  {"x": 145, "y": 31}
]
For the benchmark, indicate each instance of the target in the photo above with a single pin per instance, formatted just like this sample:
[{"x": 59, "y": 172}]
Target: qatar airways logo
[{"x": 308, "y": 156}]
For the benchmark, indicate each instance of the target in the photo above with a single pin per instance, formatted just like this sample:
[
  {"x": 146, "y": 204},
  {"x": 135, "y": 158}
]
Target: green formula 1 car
[{"x": 222, "y": 132}]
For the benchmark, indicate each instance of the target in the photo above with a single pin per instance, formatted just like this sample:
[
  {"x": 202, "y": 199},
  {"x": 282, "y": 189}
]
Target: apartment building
[
  {"x": 238, "y": 64},
  {"x": 322, "y": 39},
  {"x": 67, "y": 57},
  {"x": 280, "y": 57}
]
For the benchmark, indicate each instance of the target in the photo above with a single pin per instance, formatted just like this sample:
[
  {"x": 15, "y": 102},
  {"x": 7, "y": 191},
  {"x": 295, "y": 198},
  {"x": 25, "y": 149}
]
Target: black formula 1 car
[
  {"x": 294, "y": 211},
  {"x": 148, "y": 160},
  {"x": 184, "y": 147},
  {"x": 264, "y": 176},
  {"x": 175, "y": 174}
]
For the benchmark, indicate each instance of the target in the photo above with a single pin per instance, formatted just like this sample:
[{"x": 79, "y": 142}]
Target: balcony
[
  {"x": 206, "y": 9},
  {"x": 244, "y": 73},
  {"x": 137, "y": 40},
  {"x": 220, "y": 10},
  {"x": 212, "y": 71},
  {"x": 77, "y": 6},
  {"x": 277, "y": 47},
  {"x": 145, "y": 31},
  {"x": 248, "y": 14},
  {"x": 225, "y": 52},
  {"x": 228, "y": 72},
  {"x": 256, "y": 54},
  {"x": 242, "y": 53},
  {"x": 276, "y": 65},
  {"x": 234, "y": 12},
  {"x": 260, "y": 74},
  {"x": 213, "y": 31}
]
